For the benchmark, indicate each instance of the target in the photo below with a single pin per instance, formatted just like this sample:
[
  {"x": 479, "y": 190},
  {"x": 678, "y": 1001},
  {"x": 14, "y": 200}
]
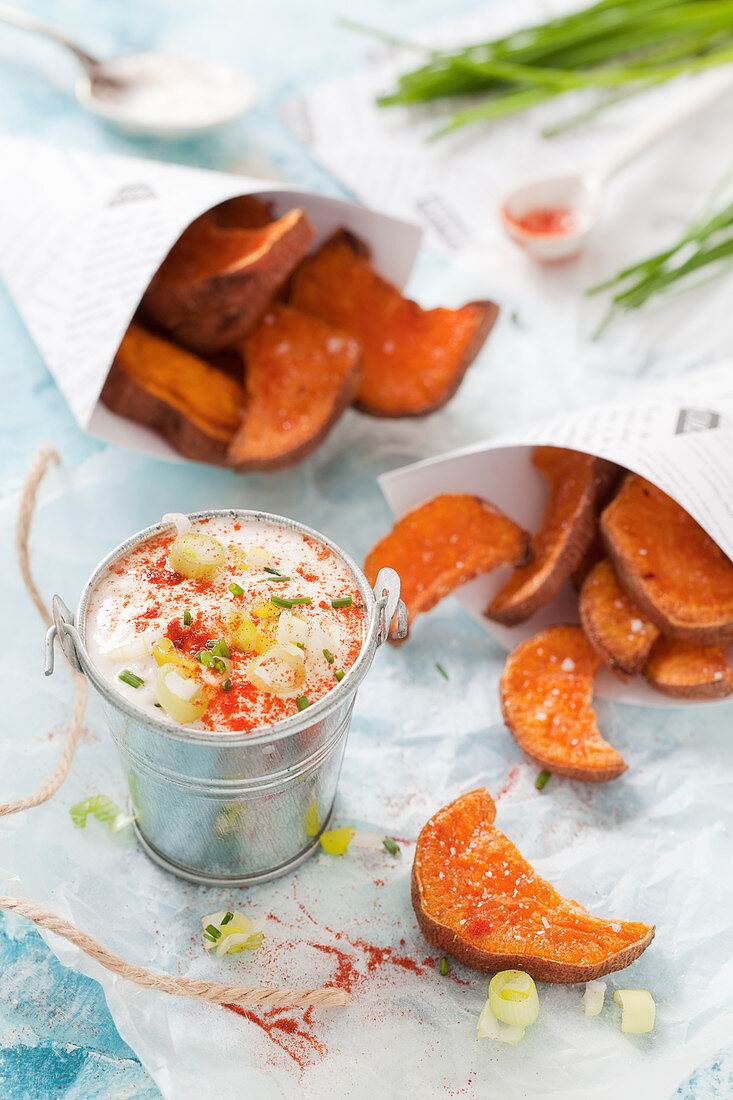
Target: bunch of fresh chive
[
  {"x": 708, "y": 243},
  {"x": 616, "y": 46}
]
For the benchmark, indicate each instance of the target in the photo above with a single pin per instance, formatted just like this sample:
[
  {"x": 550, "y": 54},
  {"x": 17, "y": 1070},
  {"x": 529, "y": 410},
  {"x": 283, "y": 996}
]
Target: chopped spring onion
[
  {"x": 213, "y": 931},
  {"x": 266, "y": 609},
  {"x": 444, "y": 966},
  {"x": 180, "y": 696},
  {"x": 280, "y": 578},
  {"x": 291, "y": 628},
  {"x": 491, "y": 1028},
  {"x": 302, "y": 702},
  {"x": 208, "y": 660},
  {"x": 442, "y": 671},
  {"x": 236, "y": 589},
  {"x": 266, "y": 637},
  {"x": 230, "y": 932},
  {"x": 275, "y": 572},
  {"x": 133, "y": 651},
  {"x": 180, "y": 521},
  {"x": 345, "y": 601},
  {"x": 593, "y": 998},
  {"x": 311, "y": 823},
  {"x": 197, "y": 556},
  {"x": 130, "y": 678},
  {"x": 541, "y": 780},
  {"x": 226, "y": 685},
  {"x": 336, "y": 841},
  {"x": 104, "y": 809},
  {"x": 280, "y": 670},
  {"x": 329, "y": 656},
  {"x": 187, "y": 619},
  {"x": 242, "y": 631},
  {"x": 392, "y": 847},
  {"x": 339, "y": 674},
  {"x": 225, "y": 919},
  {"x": 258, "y": 557},
  {"x": 637, "y": 1010},
  {"x": 295, "y": 601},
  {"x": 219, "y": 649},
  {"x": 513, "y": 998}
]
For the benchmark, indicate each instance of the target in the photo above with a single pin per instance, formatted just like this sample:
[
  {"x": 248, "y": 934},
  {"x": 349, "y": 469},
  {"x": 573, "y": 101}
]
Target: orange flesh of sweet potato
[
  {"x": 414, "y": 359},
  {"x": 300, "y": 375},
  {"x": 614, "y": 626},
  {"x": 563, "y": 536},
  {"x": 478, "y": 899},
  {"x": 216, "y": 281},
  {"x": 444, "y": 543},
  {"x": 546, "y": 692},
  {"x": 196, "y": 407},
  {"x": 242, "y": 212},
  {"x": 688, "y": 670},
  {"x": 667, "y": 564}
]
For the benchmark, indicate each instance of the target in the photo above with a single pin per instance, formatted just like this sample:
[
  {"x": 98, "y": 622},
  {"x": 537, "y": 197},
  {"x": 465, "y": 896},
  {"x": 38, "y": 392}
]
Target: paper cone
[
  {"x": 677, "y": 434},
  {"x": 82, "y": 235}
]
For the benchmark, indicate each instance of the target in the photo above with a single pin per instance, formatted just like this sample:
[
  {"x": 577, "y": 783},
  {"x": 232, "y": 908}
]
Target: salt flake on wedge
[
  {"x": 477, "y": 899},
  {"x": 546, "y": 692}
]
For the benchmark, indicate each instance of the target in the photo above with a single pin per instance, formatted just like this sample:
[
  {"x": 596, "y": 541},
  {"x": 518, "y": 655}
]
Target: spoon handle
[
  {"x": 19, "y": 18},
  {"x": 647, "y": 135}
]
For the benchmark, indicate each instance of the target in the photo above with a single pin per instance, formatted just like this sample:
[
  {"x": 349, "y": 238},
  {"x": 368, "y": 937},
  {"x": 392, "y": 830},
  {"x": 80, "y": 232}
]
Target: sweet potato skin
[
  {"x": 300, "y": 376},
  {"x": 682, "y": 582},
  {"x": 414, "y": 359},
  {"x": 130, "y": 391},
  {"x": 424, "y": 546},
  {"x": 613, "y": 625},
  {"x": 546, "y": 693},
  {"x": 217, "y": 280},
  {"x": 574, "y": 481},
  {"x": 686, "y": 670},
  {"x": 542, "y": 967}
]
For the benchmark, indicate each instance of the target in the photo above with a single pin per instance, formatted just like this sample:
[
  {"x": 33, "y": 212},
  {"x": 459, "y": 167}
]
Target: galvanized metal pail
[{"x": 231, "y": 808}]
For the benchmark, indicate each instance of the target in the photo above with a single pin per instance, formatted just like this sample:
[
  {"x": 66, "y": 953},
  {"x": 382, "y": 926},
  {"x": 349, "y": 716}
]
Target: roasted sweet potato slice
[
  {"x": 574, "y": 481},
  {"x": 196, "y": 407},
  {"x": 546, "y": 692},
  {"x": 300, "y": 375},
  {"x": 614, "y": 626},
  {"x": 672, "y": 570},
  {"x": 242, "y": 212},
  {"x": 216, "y": 281},
  {"x": 444, "y": 543},
  {"x": 414, "y": 359},
  {"x": 688, "y": 670},
  {"x": 478, "y": 899}
]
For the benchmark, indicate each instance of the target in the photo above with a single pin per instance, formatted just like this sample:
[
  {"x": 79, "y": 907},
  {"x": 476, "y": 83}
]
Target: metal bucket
[{"x": 231, "y": 808}]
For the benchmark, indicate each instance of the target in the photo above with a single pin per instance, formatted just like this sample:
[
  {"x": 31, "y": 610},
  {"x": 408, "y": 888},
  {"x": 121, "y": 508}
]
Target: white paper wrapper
[
  {"x": 678, "y": 435},
  {"x": 82, "y": 235}
]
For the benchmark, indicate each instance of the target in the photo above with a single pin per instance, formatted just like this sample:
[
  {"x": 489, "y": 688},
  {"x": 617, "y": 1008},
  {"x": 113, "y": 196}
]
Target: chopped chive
[
  {"x": 208, "y": 937},
  {"x": 280, "y": 601},
  {"x": 444, "y": 966},
  {"x": 226, "y": 685},
  {"x": 342, "y": 601},
  {"x": 339, "y": 674},
  {"x": 130, "y": 678},
  {"x": 392, "y": 847},
  {"x": 275, "y": 572},
  {"x": 442, "y": 671},
  {"x": 158, "y": 705},
  {"x": 213, "y": 931},
  {"x": 302, "y": 702},
  {"x": 236, "y": 589},
  {"x": 208, "y": 660},
  {"x": 279, "y": 579},
  {"x": 210, "y": 644},
  {"x": 220, "y": 649},
  {"x": 227, "y": 918},
  {"x": 187, "y": 618},
  {"x": 541, "y": 780},
  {"x": 301, "y": 645},
  {"x": 329, "y": 656}
]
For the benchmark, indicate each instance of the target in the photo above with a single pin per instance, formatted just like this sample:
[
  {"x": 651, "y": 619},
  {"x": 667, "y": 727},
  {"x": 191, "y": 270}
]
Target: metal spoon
[
  {"x": 580, "y": 193},
  {"x": 158, "y": 94}
]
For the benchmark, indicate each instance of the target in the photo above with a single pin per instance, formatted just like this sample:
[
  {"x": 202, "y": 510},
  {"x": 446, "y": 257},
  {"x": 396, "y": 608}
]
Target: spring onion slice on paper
[
  {"x": 513, "y": 998},
  {"x": 228, "y": 932},
  {"x": 491, "y": 1028},
  {"x": 593, "y": 998},
  {"x": 638, "y": 1010},
  {"x": 104, "y": 809}
]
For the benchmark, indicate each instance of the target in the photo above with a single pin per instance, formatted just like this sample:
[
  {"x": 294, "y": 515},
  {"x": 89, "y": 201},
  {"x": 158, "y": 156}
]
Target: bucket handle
[
  {"x": 63, "y": 628},
  {"x": 389, "y": 606}
]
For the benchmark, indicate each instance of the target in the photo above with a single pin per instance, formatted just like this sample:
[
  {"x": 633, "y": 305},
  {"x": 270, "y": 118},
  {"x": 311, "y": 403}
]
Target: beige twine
[{"x": 216, "y": 992}]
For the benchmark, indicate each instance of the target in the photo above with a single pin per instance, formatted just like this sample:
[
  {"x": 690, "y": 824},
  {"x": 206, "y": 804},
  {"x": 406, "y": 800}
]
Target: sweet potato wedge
[
  {"x": 300, "y": 375},
  {"x": 546, "y": 692},
  {"x": 196, "y": 407},
  {"x": 614, "y": 626},
  {"x": 444, "y": 543},
  {"x": 688, "y": 670},
  {"x": 242, "y": 212},
  {"x": 478, "y": 899},
  {"x": 574, "y": 481},
  {"x": 414, "y": 359},
  {"x": 671, "y": 569},
  {"x": 216, "y": 281}
]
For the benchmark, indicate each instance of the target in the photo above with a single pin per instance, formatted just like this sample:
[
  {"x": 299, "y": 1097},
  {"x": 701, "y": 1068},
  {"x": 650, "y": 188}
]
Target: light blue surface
[{"x": 56, "y": 1035}]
